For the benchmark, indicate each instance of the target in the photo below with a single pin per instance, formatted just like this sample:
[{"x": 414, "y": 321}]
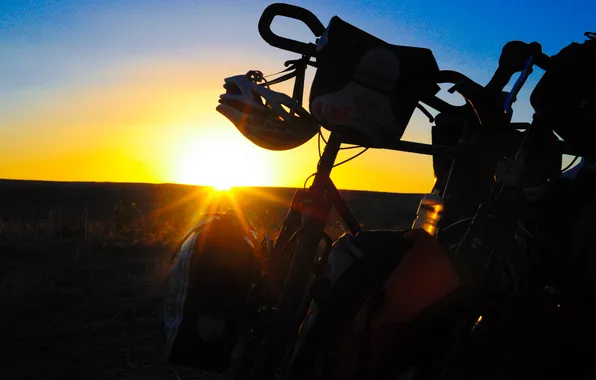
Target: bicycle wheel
[{"x": 281, "y": 329}]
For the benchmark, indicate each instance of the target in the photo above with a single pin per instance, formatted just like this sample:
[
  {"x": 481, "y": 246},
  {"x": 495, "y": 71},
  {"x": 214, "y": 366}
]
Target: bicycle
[{"x": 283, "y": 296}]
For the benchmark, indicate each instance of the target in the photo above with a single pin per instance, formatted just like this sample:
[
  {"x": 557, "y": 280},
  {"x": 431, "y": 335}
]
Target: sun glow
[{"x": 222, "y": 160}]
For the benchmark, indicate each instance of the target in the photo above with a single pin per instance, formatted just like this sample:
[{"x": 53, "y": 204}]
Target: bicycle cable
[
  {"x": 339, "y": 163},
  {"x": 307, "y": 178},
  {"x": 343, "y": 148},
  {"x": 321, "y": 137},
  {"x": 351, "y": 158},
  {"x": 319, "y": 143}
]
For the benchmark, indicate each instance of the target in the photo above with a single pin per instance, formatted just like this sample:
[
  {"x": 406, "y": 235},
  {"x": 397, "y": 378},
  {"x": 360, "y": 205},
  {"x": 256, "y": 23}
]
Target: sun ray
[
  {"x": 239, "y": 212},
  {"x": 245, "y": 223},
  {"x": 208, "y": 205},
  {"x": 196, "y": 194},
  {"x": 263, "y": 195}
]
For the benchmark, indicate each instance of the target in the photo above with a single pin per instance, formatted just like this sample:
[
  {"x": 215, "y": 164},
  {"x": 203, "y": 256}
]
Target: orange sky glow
[{"x": 156, "y": 122}]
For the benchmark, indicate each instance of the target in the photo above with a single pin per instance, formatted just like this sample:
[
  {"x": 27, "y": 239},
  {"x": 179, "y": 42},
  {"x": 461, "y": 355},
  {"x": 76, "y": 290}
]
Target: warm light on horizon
[
  {"x": 127, "y": 93},
  {"x": 149, "y": 117},
  {"x": 220, "y": 160}
]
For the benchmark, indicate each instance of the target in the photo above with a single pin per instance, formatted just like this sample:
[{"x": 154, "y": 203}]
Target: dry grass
[
  {"x": 128, "y": 226},
  {"x": 78, "y": 310},
  {"x": 133, "y": 228},
  {"x": 82, "y": 298},
  {"x": 81, "y": 285}
]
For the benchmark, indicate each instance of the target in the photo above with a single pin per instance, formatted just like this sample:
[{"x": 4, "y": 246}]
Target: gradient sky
[{"x": 126, "y": 90}]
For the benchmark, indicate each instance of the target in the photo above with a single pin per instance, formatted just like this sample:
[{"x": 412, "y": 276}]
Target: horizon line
[{"x": 184, "y": 184}]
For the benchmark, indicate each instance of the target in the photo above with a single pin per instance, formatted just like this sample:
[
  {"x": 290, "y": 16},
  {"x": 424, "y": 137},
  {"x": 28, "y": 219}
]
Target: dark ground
[
  {"x": 76, "y": 310},
  {"x": 83, "y": 269}
]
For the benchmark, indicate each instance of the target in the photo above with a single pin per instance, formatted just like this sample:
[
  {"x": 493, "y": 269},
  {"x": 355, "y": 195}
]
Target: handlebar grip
[{"x": 297, "y": 13}]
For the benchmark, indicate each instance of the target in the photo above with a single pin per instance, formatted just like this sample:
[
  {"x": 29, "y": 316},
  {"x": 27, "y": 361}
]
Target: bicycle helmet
[{"x": 271, "y": 120}]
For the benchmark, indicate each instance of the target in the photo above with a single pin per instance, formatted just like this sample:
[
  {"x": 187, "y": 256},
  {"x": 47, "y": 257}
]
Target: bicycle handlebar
[
  {"x": 453, "y": 77},
  {"x": 297, "y": 13},
  {"x": 516, "y": 56}
]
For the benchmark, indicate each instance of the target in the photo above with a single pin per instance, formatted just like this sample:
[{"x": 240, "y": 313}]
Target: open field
[{"x": 83, "y": 268}]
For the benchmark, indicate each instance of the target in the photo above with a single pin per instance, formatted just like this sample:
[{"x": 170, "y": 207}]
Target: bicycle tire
[{"x": 289, "y": 313}]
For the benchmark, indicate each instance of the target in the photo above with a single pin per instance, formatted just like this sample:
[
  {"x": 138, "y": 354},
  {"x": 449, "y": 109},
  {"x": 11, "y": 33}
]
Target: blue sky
[
  {"x": 48, "y": 43},
  {"x": 59, "y": 49}
]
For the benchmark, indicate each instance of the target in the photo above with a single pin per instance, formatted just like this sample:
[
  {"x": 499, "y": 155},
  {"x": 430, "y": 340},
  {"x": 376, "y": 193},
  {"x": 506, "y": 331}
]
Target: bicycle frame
[
  {"x": 297, "y": 246},
  {"x": 304, "y": 226}
]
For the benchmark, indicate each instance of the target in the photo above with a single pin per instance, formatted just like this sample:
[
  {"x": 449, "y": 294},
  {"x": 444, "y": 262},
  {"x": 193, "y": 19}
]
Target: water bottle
[{"x": 429, "y": 212}]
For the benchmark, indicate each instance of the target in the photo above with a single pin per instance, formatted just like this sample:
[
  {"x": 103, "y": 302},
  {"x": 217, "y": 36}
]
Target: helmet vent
[
  {"x": 287, "y": 109},
  {"x": 258, "y": 98}
]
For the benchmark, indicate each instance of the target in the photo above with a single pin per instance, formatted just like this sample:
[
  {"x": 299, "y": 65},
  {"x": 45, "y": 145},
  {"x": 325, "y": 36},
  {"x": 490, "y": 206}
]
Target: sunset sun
[{"x": 221, "y": 161}]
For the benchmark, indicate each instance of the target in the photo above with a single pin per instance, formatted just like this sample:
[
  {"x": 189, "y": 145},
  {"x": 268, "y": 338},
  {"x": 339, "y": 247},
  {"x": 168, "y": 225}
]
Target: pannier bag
[
  {"x": 380, "y": 283},
  {"x": 212, "y": 273},
  {"x": 565, "y": 96},
  {"x": 473, "y": 181},
  {"x": 419, "y": 289},
  {"x": 365, "y": 88}
]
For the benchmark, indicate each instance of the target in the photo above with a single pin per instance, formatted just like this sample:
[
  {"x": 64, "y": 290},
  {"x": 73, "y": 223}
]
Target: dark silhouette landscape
[{"x": 83, "y": 268}]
